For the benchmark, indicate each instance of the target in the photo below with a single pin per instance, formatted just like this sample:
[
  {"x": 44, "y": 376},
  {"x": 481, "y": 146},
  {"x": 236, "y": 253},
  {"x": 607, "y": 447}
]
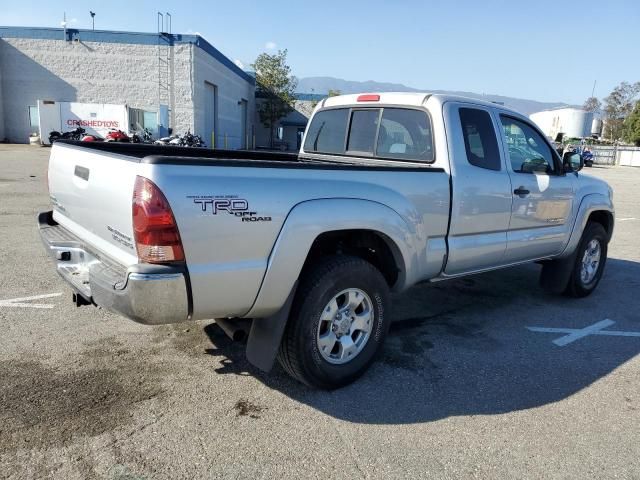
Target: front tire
[
  {"x": 590, "y": 260},
  {"x": 338, "y": 322}
]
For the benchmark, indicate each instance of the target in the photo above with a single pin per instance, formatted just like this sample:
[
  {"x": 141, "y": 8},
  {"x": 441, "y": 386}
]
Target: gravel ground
[{"x": 463, "y": 389}]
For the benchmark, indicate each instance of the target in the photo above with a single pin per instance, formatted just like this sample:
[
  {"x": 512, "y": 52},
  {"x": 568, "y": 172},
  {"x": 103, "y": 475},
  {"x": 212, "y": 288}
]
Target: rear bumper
[{"x": 149, "y": 294}]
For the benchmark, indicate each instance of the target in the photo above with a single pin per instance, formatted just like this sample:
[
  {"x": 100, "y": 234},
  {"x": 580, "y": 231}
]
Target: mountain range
[{"x": 322, "y": 85}]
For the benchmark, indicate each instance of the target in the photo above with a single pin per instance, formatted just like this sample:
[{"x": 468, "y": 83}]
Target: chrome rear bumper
[{"x": 149, "y": 294}]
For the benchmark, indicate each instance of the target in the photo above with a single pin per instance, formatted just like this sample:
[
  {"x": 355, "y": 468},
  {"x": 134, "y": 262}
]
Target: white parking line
[
  {"x": 20, "y": 302},
  {"x": 626, "y": 218},
  {"x": 574, "y": 334}
]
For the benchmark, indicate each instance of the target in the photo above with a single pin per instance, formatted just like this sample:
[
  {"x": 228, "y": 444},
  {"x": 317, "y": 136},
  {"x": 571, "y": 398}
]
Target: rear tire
[
  {"x": 329, "y": 342},
  {"x": 589, "y": 263}
]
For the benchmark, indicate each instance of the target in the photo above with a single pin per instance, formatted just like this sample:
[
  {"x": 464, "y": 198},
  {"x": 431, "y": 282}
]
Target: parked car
[{"x": 302, "y": 250}]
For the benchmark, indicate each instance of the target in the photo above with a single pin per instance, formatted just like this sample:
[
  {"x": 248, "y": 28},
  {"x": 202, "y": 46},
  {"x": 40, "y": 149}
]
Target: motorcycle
[
  {"x": 115, "y": 135},
  {"x": 191, "y": 140},
  {"x": 142, "y": 136},
  {"x": 171, "y": 140},
  {"x": 76, "y": 134},
  {"x": 91, "y": 138},
  {"x": 185, "y": 140},
  {"x": 588, "y": 158}
]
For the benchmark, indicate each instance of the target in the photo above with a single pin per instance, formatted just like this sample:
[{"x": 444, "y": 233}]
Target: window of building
[
  {"x": 480, "y": 140},
  {"x": 140, "y": 119},
  {"x": 34, "y": 119},
  {"x": 528, "y": 151},
  {"x": 150, "y": 121}
]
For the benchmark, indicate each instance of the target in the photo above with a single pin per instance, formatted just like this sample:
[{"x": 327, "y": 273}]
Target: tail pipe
[
  {"x": 237, "y": 329},
  {"x": 79, "y": 300}
]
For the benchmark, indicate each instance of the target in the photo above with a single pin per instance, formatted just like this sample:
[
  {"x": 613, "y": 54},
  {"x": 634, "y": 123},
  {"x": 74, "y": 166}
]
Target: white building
[
  {"x": 162, "y": 80},
  {"x": 573, "y": 122}
]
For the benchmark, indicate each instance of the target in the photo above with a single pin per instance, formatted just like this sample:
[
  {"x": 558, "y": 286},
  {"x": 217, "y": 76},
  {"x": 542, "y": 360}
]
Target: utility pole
[
  {"x": 64, "y": 24},
  {"x": 593, "y": 90},
  {"x": 93, "y": 19}
]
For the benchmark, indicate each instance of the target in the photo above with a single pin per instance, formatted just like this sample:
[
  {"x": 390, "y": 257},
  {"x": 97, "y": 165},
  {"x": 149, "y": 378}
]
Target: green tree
[
  {"x": 330, "y": 93},
  {"x": 618, "y": 106},
  {"x": 275, "y": 89},
  {"x": 592, "y": 104},
  {"x": 631, "y": 126}
]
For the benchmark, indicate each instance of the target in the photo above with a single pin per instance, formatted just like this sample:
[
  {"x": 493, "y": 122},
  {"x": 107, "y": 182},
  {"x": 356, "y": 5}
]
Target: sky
[{"x": 538, "y": 49}]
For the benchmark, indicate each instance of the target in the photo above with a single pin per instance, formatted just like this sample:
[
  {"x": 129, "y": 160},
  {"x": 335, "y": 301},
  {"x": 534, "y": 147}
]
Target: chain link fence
[
  {"x": 603, "y": 155},
  {"x": 609, "y": 155}
]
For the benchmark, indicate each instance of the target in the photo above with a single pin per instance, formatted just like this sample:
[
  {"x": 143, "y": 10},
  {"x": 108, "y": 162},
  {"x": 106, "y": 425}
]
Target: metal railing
[
  {"x": 610, "y": 155},
  {"x": 603, "y": 155}
]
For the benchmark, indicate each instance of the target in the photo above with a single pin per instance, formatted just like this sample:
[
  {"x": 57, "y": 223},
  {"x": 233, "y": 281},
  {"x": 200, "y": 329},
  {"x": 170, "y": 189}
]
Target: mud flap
[
  {"x": 556, "y": 274},
  {"x": 266, "y": 334}
]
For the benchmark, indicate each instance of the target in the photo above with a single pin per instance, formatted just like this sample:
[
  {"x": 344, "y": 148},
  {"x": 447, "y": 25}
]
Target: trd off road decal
[
  {"x": 120, "y": 237},
  {"x": 231, "y": 204}
]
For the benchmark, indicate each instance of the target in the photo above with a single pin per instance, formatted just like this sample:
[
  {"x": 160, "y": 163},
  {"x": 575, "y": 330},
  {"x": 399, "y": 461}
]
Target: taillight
[
  {"x": 154, "y": 226},
  {"x": 369, "y": 98}
]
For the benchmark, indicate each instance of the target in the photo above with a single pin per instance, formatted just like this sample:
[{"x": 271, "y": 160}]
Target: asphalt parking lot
[{"x": 474, "y": 380}]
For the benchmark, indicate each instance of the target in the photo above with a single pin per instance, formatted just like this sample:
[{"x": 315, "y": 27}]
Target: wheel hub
[
  {"x": 342, "y": 324},
  {"x": 590, "y": 262},
  {"x": 345, "y": 326}
]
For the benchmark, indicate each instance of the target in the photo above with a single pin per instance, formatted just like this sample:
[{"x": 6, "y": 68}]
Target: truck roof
[{"x": 415, "y": 99}]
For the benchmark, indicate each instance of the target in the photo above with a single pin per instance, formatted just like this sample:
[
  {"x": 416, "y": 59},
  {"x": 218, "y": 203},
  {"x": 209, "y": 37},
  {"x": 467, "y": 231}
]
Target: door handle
[{"x": 521, "y": 192}]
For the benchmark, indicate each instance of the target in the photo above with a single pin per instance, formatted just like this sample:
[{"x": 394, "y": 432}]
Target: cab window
[
  {"x": 528, "y": 151},
  {"x": 386, "y": 133},
  {"x": 405, "y": 134},
  {"x": 327, "y": 132},
  {"x": 362, "y": 132}
]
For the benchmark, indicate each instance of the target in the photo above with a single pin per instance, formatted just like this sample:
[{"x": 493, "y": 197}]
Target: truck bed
[
  {"x": 142, "y": 150},
  {"x": 228, "y": 249},
  {"x": 172, "y": 155}
]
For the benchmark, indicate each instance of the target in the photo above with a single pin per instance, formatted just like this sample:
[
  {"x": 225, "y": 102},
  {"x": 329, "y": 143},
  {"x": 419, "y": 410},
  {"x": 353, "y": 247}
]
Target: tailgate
[{"x": 91, "y": 193}]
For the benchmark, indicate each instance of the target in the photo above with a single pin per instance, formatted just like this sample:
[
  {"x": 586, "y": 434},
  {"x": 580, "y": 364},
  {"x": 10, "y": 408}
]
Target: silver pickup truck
[{"x": 302, "y": 250}]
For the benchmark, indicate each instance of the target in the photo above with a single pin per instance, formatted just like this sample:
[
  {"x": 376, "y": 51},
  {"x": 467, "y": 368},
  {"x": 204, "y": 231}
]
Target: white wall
[
  {"x": 573, "y": 122},
  {"x": 231, "y": 89},
  {"x": 182, "y": 98},
  {"x": 91, "y": 72},
  {"x": 1, "y": 102},
  {"x": 629, "y": 157},
  {"x": 122, "y": 74}
]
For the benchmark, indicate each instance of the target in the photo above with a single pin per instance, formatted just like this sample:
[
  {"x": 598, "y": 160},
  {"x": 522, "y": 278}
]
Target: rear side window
[
  {"x": 327, "y": 132},
  {"x": 396, "y": 133},
  {"x": 480, "y": 140}
]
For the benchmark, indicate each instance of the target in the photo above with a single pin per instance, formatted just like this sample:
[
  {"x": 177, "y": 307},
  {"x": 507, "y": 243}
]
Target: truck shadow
[{"x": 461, "y": 348}]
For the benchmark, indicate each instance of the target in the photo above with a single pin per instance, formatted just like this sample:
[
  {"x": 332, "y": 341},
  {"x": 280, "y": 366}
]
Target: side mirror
[{"x": 572, "y": 162}]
